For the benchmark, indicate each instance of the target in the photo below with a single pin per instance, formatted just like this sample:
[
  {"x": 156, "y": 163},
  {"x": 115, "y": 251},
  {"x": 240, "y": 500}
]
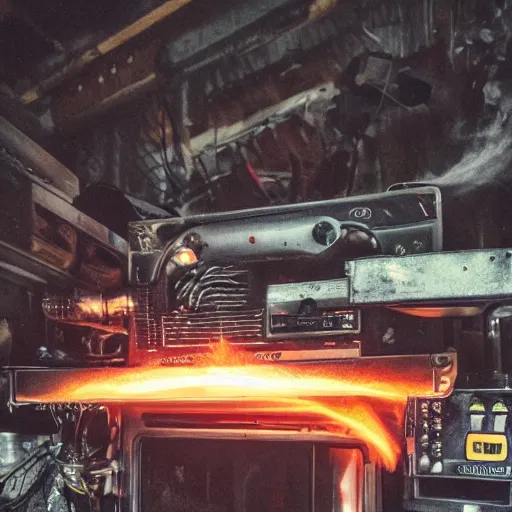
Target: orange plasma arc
[{"x": 358, "y": 398}]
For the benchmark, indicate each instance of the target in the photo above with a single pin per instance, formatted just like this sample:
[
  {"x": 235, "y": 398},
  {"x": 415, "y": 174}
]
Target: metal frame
[
  {"x": 134, "y": 430},
  {"x": 432, "y": 375},
  {"x": 21, "y": 267},
  {"x": 78, "y": 219}
]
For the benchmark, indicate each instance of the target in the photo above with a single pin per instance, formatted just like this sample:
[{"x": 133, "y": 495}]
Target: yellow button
[{"x": 486, "y": 447}]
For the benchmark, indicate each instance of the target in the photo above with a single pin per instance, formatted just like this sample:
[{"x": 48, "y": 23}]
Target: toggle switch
[
  {"x": 437, "y": 449},
  {"x": 436, "y": 407},
  {"x": 500, "y": 412},
  {"x": 477, "y": 412},
  {"x": 424, "y": 464},
  {"x": 437, "y": 467},
  {"x": 437, "y": 423}
]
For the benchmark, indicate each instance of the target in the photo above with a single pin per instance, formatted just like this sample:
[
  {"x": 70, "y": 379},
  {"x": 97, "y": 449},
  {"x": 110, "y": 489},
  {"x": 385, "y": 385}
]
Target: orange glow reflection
[
  {"x": 366, "y": 405},
  {"x": 101, "y": 307},
  {"x": 104, "y": 314},
  {"x": 158, "y": 384},
  {"x": 350, "y": 479}
]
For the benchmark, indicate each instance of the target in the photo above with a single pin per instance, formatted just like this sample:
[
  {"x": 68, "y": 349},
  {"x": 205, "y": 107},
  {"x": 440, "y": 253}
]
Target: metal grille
[
  {"x": 214, "y": 306},
  {"x": 201, "y": 328},
  {"x": 146, "y": 317}
]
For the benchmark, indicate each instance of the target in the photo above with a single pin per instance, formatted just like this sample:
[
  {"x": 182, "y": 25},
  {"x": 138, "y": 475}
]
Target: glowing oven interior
[{"x": 219, "y": 475}]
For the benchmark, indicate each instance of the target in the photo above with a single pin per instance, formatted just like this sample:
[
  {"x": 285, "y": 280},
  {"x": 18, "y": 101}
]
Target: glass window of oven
[{"x": 199, "y": 475}]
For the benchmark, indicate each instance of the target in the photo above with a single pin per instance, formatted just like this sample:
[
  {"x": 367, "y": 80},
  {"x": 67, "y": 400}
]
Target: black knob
[
  {"x": 324, "y": 233},
  {"x": 308, "y": 307}
]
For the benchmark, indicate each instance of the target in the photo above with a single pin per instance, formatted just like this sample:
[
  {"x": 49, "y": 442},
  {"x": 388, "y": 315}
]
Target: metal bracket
[{"x": 479, "y": 275}]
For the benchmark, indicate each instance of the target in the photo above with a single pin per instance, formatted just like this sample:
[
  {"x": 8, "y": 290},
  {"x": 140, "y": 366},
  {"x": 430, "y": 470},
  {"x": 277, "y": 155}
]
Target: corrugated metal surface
[
  {"x": 398, "y": 27},
  {"x": 403, "y": 27}
]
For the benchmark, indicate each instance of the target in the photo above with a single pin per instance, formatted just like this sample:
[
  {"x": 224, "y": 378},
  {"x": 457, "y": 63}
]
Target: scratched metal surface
[{"x": 431, "y": 277}]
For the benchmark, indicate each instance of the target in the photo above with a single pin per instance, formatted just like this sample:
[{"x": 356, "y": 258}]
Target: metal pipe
[{"x": 495, "y": 338}]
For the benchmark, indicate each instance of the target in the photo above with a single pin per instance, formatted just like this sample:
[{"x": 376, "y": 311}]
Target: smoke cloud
[{"x": 487, "y": 161}]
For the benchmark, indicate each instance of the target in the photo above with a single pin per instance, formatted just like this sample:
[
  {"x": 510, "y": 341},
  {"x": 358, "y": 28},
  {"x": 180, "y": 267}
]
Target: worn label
[{"x": 481, "y": 470}]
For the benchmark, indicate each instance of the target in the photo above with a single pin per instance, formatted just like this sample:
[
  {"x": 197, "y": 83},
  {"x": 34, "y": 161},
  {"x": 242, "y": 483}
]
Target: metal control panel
[
  {"x": 466, "y": 435},
  {"x": 316, "y": 307},
  {"x": 459, "y": 451},
  {"x": 398, "y": 223}
]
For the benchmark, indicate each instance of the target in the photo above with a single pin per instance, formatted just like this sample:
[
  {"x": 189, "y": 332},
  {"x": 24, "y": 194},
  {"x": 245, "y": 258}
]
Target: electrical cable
[
  {"x": 384, "y": 91},
  {"x": 164, "y": 149},
  {"x": 176, "y": 134},
  {"x": 352, "y": 171},
  {"x": 148, "y": 180},
  {"x": 163, "y": 127},
  {"x": 250, "y": 170},
  {"x": 392, "y": 98},
  {"x": 215, "y": 142},
  {"x": 206, "y": 174},
  {"x": 356, "y": 226},
  {"x": 27, "y": 465}
]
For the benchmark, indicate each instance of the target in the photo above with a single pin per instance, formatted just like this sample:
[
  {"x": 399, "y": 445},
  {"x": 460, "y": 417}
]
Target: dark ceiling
[
  {"x": 34, "y": 35},
  {"x": 93, "y": 73}
]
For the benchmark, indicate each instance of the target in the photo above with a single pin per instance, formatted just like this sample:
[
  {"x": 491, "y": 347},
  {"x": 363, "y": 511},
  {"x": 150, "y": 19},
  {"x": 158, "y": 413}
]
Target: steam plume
[{"x": 487, "y": 161}]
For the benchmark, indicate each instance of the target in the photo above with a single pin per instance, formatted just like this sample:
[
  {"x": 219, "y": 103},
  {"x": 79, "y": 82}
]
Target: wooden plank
[
  {"x": 320, "y": 8},
  {"x": 34, "y": 156},
  {"x": 107, "y": 81},
  {"x": 123, "y": 96},
  {"x": 142, "y": 24},
  {"x": 103, "y": 48}
]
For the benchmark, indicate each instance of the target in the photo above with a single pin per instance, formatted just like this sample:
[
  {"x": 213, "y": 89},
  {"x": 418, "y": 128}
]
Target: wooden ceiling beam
[
  {"x": 108, "y": 45},
  {"x": 126, "y": 72}
]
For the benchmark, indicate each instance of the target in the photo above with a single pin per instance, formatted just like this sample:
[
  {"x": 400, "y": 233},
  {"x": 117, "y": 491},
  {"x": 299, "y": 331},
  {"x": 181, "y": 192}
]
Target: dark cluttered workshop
[{"x": 256, "y": 256}]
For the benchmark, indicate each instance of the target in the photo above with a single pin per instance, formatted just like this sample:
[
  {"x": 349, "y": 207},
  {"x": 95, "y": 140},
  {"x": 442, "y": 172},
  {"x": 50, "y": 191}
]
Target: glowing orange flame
[{"x": 352, "y": 401}]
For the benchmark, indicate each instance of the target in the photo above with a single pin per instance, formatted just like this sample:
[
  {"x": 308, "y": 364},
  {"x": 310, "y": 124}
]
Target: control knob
[{"x": 324, "y": 233}]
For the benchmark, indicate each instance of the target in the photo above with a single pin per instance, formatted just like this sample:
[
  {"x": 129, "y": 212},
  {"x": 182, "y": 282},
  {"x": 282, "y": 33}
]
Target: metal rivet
[
  {"x": 113, "y": 69},
  {"x": 80, "y": 88},
  {"x": 101, "y": 79},
  {"x": 130, "y": 59}
]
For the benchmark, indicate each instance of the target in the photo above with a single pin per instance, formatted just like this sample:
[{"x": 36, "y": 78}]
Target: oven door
[{"x": 243, "y": 470}]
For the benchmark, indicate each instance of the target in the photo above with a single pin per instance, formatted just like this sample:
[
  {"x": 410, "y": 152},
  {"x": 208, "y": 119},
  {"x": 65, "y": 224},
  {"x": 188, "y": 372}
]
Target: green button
[
  {"x": 476, "y": 406},
  {"x": 499, "y": 407}
]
